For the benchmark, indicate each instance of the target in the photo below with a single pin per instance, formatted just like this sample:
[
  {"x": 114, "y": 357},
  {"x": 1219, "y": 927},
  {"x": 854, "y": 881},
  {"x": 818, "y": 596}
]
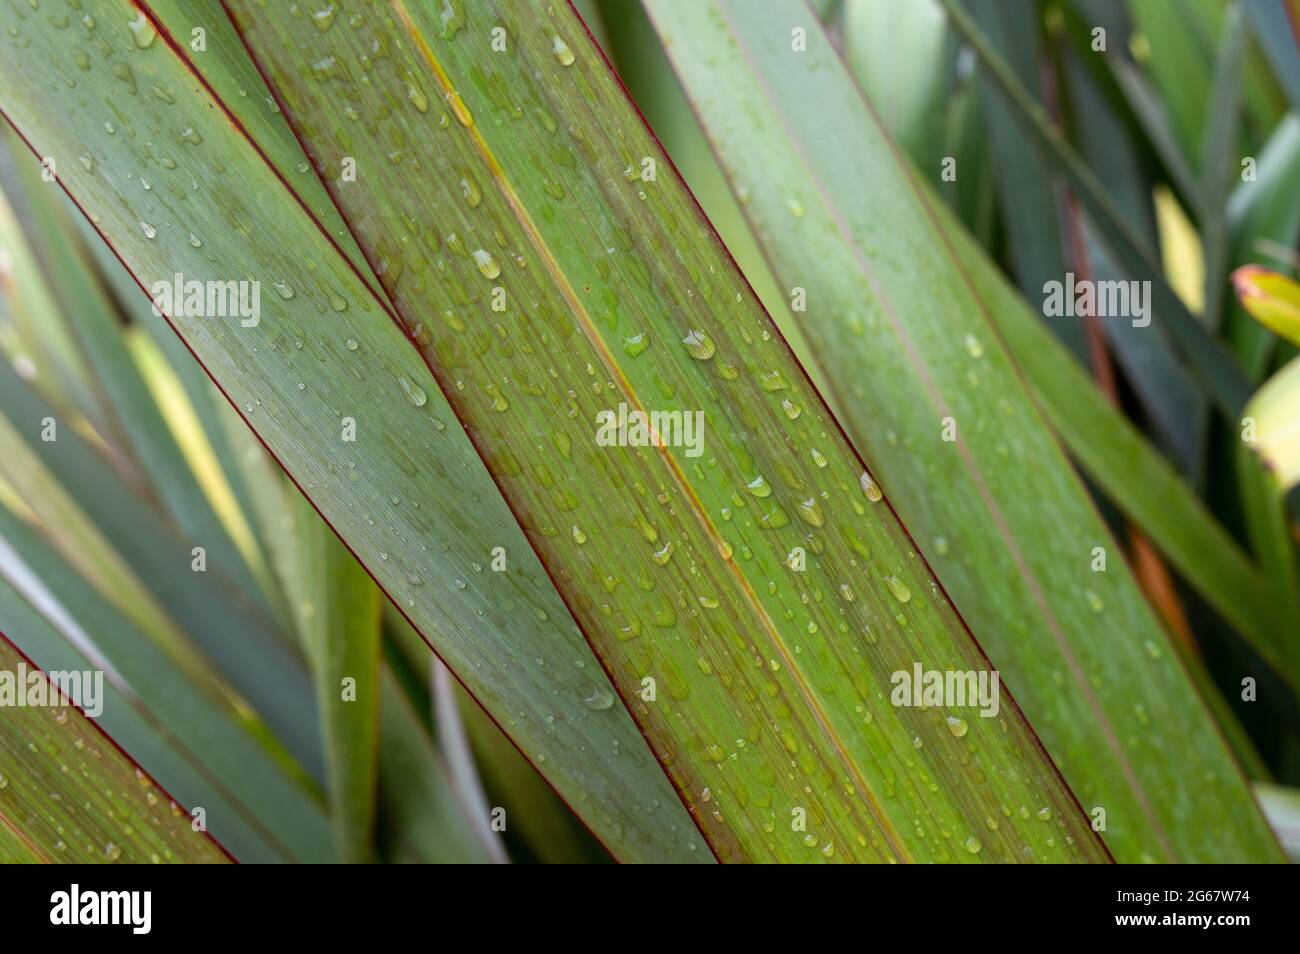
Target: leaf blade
[
  {"x": 490, "y": 631},
  {"x": 686, "y": 529},
  {"x": 70, "y": 795},
  {"x": 865, "y": 234}
]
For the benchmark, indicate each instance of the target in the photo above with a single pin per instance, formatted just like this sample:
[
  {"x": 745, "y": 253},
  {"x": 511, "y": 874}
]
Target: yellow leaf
[{"x": 1271, "y": 299}]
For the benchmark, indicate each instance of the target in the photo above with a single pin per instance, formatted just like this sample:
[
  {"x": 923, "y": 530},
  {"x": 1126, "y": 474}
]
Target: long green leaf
[
  {"x": 689, "y": 547},
  {"x": 409, "y": 495},
  {"x": 68, "y": 794},
  {"x": 1038, "y": 600},
  {"x": 337, "y": 608},
  {"x": 1134, "y": 477}
]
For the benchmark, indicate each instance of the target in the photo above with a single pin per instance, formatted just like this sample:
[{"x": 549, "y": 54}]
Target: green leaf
[
  {"x": 1113, "y": 453},
  {"x": 337, "y": 608},
  {"x": 68, "y": 794},
  {"x": 643, "y": 67},
  {"x": 30, "y": 315},
  {"x": 506, "y": 634},
  {"x": 689, "y": 556},
  {"x": 1268, "y": 464},
  {"x": 1080, "y": 647}
]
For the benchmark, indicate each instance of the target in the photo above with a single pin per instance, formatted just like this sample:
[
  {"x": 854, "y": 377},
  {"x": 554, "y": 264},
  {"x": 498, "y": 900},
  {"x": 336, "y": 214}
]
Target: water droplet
[
  {"x": 598, "y": 699},
  {"x": 487, "y": 265},
  {"x": 324, "y": 18},
  {"x": 636, "y": 344},
  {"x": 350, "y": 344},
  {"x": 562, "y": 51},
  {"x": 759, "y": 487},
  {"x": 416, "y": 95},
  {"x": 142, "y": 31},
  {"x": 450, "y": 19},
  {"x": 195, "y": 240},
  {"x": 870, "y": 487},
  {"x": 148, "y": 230},
  {"x": 469, "y": 191},
  {"x": 972, "y": 844},
  {"x": 956, "y": 726},
  {"x": 811, "y": 512},
  {"x": 414, "y": 393},
  {"x": 699, "y": 344},
  {"x": 898, "y": 588},
  {"x": 284, "y": 288}
]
